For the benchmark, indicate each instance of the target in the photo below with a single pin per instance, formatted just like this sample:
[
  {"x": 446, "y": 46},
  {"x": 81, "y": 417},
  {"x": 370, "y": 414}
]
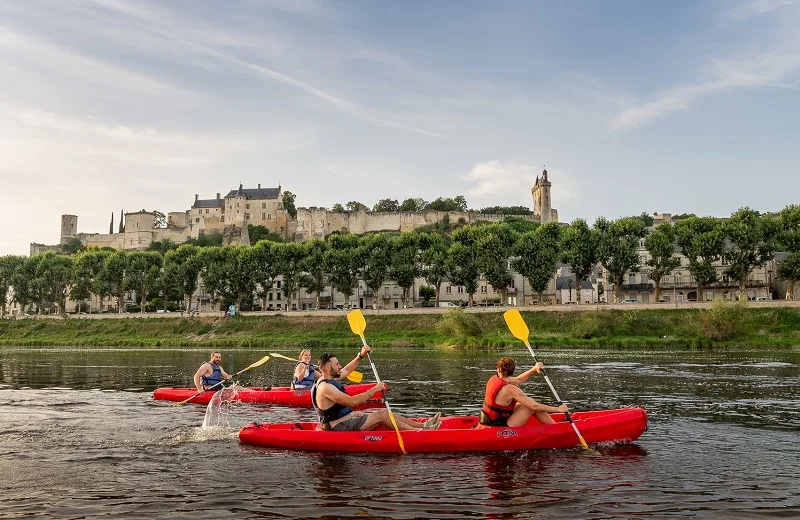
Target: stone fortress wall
[{"x": 229, "y": 216}]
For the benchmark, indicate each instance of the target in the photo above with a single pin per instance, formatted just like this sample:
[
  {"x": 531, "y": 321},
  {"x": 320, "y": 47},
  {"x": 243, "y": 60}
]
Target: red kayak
[
  {"x": 275, "y": 395},
  {"x": 457, "y": 434}
]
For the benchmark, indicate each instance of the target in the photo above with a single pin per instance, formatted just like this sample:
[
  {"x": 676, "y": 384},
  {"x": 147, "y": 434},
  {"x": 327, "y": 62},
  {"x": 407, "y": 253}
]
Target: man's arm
[
  {"x": 353, "y": 364},
  {"x": 202, "y": 371},
  {"x": 332, "y": 393}
]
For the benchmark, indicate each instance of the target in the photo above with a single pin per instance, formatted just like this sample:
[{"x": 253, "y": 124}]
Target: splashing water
[{"x": 219, "y": 407}]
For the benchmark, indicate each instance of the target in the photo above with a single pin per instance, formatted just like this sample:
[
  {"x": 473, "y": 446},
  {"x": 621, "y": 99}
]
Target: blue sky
[{"x": 633, "y": 106}]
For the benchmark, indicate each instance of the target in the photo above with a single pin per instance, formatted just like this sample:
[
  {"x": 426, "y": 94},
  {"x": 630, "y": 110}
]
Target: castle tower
[
  {"x": 69, "y": 228},
  {"x": 542, "y": 204}
]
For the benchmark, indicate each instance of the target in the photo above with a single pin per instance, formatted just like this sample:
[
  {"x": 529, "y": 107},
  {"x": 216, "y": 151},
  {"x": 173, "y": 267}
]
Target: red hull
[
  {"x": 275, "y": 395},
  {"x": 457, "y": 434}
]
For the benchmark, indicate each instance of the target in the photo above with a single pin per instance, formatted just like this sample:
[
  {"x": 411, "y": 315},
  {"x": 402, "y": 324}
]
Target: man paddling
[
  {"x": 210, "y": 373},
  {"x": 335, "y": 407},
  {"x": 506, "y": 405}
]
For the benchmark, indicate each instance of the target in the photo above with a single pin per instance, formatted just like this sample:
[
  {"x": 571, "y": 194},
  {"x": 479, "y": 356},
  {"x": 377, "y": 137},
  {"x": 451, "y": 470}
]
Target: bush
[
  {"x": 591, "y": 325},
  {"x": 460, "y": 327},
  {"x": 723, "y": 321}
]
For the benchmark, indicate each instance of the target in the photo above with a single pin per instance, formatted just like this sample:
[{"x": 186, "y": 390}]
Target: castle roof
[
  {"x": 209, "y": 203},
  {"x": 255, "y": 193}
]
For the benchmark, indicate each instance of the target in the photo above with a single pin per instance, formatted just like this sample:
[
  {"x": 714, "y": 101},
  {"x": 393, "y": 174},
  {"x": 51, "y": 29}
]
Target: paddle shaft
[
  {"x": 555, "y": 394},
  {"x": 375, "y": 373},
  {"x": 218, "y": 384}
]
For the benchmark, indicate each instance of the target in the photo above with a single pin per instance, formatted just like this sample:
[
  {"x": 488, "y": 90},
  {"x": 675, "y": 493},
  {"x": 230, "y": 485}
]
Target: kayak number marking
[{"x": 507, "y": 433}]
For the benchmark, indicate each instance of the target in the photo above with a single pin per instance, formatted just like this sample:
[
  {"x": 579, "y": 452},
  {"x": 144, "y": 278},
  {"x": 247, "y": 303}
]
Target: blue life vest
[
  {"x": 307, "y": 382},
  {"x": 214, "y": 378},
  {"x": 337, "y": 411}
]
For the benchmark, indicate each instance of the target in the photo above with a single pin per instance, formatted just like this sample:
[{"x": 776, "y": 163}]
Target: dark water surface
[{"x": 82, "y": 438}]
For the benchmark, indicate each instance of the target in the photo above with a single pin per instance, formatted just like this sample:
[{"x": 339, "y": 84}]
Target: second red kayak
[
  {"x": 276, "y": 395},
  {"x": 457, "y": 434}
]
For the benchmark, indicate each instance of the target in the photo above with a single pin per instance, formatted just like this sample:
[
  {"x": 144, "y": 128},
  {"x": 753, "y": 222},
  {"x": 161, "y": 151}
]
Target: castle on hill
[{"x": 230, "y": 216}]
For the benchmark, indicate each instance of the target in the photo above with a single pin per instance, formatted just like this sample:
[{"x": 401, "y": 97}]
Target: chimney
[
  {"x": 259, "y": 185},
  {"x": 196, "y": 197},
  {"x": 217, "y": 196}
]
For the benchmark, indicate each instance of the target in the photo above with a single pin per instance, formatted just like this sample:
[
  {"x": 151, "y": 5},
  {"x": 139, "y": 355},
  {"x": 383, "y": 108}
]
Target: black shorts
[{"x": 484, "y": 419}]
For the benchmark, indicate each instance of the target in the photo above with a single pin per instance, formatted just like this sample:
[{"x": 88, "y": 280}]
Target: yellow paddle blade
[
  {"x": 354, "y": 376},
  {"x": 516, "y": 324},
  {"x": 357, "y": 322},
  {"x": 396, "y": 429},
  {"x": 256, "y": 364}
]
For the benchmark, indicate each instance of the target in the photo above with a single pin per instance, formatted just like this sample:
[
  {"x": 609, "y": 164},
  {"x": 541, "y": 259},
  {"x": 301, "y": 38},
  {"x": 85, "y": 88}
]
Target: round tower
[{"x": 542, "y": 204}]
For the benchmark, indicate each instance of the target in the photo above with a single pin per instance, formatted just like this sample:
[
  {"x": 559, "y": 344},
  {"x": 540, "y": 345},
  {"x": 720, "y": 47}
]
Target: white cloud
[
  {"x": 753, "y": 8},
  {"x": 509, "y": 184}
]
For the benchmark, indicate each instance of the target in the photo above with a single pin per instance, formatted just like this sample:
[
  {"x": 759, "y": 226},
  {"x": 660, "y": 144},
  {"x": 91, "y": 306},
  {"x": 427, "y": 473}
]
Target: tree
[
  {"x": 536, "y": 254},
  {"x": 162, "y": 246},
  {"x": 86, "y": 276},
  {"x": 617, "y": 248},
  {"x": 433, "y": 262},
  {"x": 520, "y": 225},
  {"x": 229, "y": 272},
  {"x": 462, "y": 267},
  {"x": 457, "y": 204},
  {"x": 112, "y": 276},
  {"x": 121, "y": 221},
  {"x": 289, "y": 257},
  {"x": 182, "y": 268},
  {"x": 506, "y": 210},
  {"x": 660, "y": 244},
  {"x": 751, "y": 242},
  {"x": 337, "y": 208},
  {"x": 375, "y": 252},
  {"x": 702, "y": 240},
  {"x": 160, "y": 220},
  {"x": 288, "y": 203},
  {"x": 789, "y": 240},
  {"x": 265, "y": 268},
  {"x": 111, "y": 225},
  {"x": 142, "y": 274},
  {"x": 356, "y": 206},
  {"x": 315, "y": 278},
  {"x": 403, "y": 265},
  {"x": 259, "y": 233},
  {"x": 8, "y": 267},
  {"x": 72, "y": 246},
  {"x": 493, "y": 247},
  {"x": 343, "y": 261},
  {"x": 579, "y": 250},
  {"x": 23, "y": 281},
  {"x": 386, "y": 205},
  {"x": 413, "y": 204}
]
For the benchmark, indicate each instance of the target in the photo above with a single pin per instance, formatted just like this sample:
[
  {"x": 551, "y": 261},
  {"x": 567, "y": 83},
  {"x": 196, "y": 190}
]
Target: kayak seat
[{"x": 298, "y": 426}]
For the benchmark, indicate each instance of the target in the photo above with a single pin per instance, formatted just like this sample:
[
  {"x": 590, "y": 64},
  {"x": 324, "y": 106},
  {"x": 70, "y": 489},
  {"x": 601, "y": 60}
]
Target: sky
[{"x": 676, "y": 107}]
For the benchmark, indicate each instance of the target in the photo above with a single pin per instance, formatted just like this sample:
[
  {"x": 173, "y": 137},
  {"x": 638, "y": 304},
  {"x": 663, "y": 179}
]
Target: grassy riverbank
[{"x": 723, "y": 325}]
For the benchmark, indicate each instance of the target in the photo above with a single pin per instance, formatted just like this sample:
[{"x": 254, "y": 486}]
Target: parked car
[
  {"x": 763, "y": 299},
  {"x": 630, "y": 300},
  {"x": 449, "y": 305}
]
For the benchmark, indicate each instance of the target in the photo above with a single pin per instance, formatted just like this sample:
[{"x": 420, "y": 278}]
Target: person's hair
[
  {"x": 304, "y": 351},
  {"x": 324, "y": 358},
  {"x": 506, "y": 366},
  {"x": 211, "y": 356}
]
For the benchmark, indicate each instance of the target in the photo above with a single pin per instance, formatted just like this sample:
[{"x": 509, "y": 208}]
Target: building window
[
  {"x": 448, "y": 289},
  {"x": 197, "y": 221},
  {"x": 269, "y": 216},
  {"x": 247, "y": 206},
  {"x": 263, "y": 216},
  {"x": 278, "y": 296},
  {"x": 279, "y": 284},
  {"x": 270, "y": 298},
  {"x": 222, "y": 218},
  {"x": 263, "y": 205},
  {"x": 247, "y": 216},
  {"x": 483, "y": 289},
  {"x": 206, "y": 212}
]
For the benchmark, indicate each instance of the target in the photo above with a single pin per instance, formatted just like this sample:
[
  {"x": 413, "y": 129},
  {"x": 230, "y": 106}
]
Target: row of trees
[
  {"x": 458, "y": 203},
  {"x": 744, "y": 241}
]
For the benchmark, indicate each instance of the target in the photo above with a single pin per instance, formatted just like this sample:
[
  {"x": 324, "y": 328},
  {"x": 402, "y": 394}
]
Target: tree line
[{"x": 744, "y": 241}]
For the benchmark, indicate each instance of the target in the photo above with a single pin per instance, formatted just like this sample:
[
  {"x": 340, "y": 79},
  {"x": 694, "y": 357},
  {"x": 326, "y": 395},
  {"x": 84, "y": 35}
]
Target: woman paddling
[
  {"x": 506, "y": 405},
  {"x": 305, "y": 374}
]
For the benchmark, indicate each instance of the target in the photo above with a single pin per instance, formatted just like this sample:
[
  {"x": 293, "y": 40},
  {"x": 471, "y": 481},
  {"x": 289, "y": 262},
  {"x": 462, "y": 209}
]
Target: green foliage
[
  {"x": 163, "y": 246},
  {"x": 337, "y": 208},
  {"x": 288, "y": 203},
  {"x": 386, "y": 205},
  {"x": 617, "y": 245},
  {"x": 413, "y": 204},
  {"x": 750, "y": 243},
  {"x": 506, "y": 210},
  {"x": 723, "y": 321},
  {"x": 591, "y": 325},
  {"x": 72, "y": 246},
  {"x": 354, "y": 205},
  {"x": 702, "y": 241},
  {"x": 160, "y": 220},
  {"x": 460, "y": 327},
  {"x": 426, "y": 292},
  {"x": 536, "y": 254},
  {"x": 579, "y": 249},
  {"x": 661, "y": 246},
  {"x": 206, "y": 240},
  {"x": 459, "y": 203},
  {"x": 521, "y": 225},
  {"x": 258, "y": 233}
]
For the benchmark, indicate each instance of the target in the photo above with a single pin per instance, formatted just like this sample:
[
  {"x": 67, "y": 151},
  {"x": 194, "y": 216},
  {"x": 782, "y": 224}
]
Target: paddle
[
  {"x": 354, "y": 376},
  {"x": 358, "y": 324},
  {"x": 519, "y": 329},
  {"x": 257, "y": 363}
]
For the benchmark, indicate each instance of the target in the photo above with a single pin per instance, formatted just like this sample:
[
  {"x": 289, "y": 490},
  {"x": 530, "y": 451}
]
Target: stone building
[{"x": 542, "y": 203}]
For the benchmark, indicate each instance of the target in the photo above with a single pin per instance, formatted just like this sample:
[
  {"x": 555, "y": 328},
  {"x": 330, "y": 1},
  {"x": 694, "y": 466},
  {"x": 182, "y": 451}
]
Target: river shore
[{"x": 692, "y": 325}]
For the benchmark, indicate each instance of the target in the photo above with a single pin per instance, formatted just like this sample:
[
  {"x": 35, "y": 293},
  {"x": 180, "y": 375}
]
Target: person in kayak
[
  {"x": 210, "y": 373},
  {"x": 335, "y": 407},
  {"x": 506, "y": 405},
  {"x": 305, "y": 374}
]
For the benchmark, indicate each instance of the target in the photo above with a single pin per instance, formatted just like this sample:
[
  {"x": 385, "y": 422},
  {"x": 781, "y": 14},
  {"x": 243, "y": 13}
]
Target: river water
[{"x": 82, "y": 438}]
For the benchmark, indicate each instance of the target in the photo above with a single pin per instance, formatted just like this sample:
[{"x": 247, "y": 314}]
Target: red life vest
[{"x": 490, "y": 407}]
